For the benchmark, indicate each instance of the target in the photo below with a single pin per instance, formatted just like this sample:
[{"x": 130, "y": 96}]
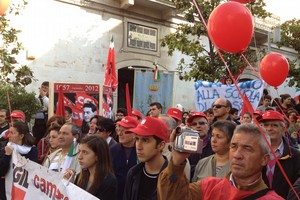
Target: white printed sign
[{"x": 208, "y": 92}]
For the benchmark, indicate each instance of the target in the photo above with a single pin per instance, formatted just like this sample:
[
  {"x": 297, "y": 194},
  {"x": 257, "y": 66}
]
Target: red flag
[
  {"x": 60, "y": 108},
  {"x": 110, "y": 78},
  {"x": 128, "y": 103},
  {"x": 247, "y": 107}
]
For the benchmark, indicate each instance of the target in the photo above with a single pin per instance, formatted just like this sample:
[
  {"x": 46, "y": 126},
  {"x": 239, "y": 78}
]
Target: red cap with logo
[
  {"x": 151, "y": 126},
  {"x": 258, "y": 112},
  {"x": 196, "y": 114},
  {"x": 175, "y": 113},
  {"x": 137, "y": 113},
  {"x": 128, "y": 122},
  {"x": 272, "y": 115},
  {"x": 17, "y": 115}
]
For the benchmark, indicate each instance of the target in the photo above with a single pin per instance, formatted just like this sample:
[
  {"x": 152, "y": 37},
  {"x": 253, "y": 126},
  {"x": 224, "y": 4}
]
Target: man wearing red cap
[
  {"x": 288, "y": 157},
  {"x": 151, "y": 136},
  {"x": 198, "y": 121},
  {"x": 123, "y": 153}
]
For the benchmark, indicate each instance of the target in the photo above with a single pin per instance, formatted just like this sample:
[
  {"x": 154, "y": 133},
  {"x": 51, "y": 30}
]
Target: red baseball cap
[
  {"x": 196, "y": 114},
  {"x": 258, "y": 112},
  {"x": 151, "y": 126},
  {"x": 17, "y": 115},
  {"x": 128, "y": 122},
  {"x": 137, "y": 113},
  {"x": 272, "y": 115},
  {"x": 175, "y": 113}
]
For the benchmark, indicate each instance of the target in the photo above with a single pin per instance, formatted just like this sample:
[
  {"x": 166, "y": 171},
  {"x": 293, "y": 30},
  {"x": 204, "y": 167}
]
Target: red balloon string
[
  {"x": 240, "y": 93},
  {"x": 252, "y": 68}
]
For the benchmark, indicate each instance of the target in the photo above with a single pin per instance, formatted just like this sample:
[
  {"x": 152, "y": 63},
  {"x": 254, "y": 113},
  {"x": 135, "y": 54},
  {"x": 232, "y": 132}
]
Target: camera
[{"x": 187, "y": 140}]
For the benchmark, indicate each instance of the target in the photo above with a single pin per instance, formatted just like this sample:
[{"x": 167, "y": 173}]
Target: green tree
[
  {"x": 13, "y": 75},
  {"x": 204, "y": 63},
  {"x": 19, "y": 99},
  {"x": 12, "y": 72},
  {"x": 290, "y": 37}
]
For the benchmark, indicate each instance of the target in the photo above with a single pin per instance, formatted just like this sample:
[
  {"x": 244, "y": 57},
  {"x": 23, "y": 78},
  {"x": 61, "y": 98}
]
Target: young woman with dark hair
[
  {"x": 96, "y": 175},
  {"x": 21, "y": 141}
]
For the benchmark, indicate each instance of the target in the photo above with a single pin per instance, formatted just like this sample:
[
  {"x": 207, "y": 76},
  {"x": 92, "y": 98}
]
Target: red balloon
[
  {"x": 244, "y": 1},
  {"x": 230, "y": 27},
  {"x": 3, "y": 6},
  {"x": 274, "y": 69}
]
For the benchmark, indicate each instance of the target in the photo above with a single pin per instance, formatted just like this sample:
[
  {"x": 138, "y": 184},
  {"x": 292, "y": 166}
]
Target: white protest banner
[
  {"x": 27, "y": 180},
  {"x": 208, "y": 92}
]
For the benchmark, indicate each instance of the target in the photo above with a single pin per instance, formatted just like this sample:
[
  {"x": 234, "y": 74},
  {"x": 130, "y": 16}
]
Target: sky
[{"x": 286, "y": 9}]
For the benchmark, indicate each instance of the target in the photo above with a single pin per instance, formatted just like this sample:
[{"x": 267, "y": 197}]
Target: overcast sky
[{"x": 286, "y": 9}]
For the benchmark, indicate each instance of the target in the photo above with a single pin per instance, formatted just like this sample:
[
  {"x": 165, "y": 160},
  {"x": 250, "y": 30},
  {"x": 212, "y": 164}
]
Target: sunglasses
[
  {"x": 200, "y": 123},
  {"x": 219, "y": 106},
  {"x": 100, "y": 129}
]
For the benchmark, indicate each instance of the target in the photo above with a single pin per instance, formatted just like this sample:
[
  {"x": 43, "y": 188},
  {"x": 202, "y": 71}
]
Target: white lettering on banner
[
  {"x": 27, "y": 180},
  {"x": 208, "y": 92},
  {"x": 82, "y": 100}
]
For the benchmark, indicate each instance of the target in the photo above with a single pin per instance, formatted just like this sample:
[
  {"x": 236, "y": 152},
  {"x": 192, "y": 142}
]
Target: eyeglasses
[
  {"x": 219, "y": 106},
  {"x": 100, "y": 129},
  {"x": 200, "y": 123}
]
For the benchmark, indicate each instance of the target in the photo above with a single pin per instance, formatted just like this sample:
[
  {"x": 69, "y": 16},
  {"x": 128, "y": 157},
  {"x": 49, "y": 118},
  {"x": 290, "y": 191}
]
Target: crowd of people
[{"x": 133, "y": 157}]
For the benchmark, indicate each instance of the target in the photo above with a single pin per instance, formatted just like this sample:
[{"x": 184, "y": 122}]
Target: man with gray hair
[
  {"x": 288, "y": 157},
  {"x": 248, "y": 154}
]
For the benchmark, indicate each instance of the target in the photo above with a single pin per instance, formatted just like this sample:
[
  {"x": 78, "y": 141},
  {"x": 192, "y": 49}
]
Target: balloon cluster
[
  {"x": 3, "y": 6},
  {"x": 231, "y": 27}
]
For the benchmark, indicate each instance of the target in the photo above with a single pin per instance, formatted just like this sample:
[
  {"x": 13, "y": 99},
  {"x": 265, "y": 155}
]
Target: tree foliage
[
  {"x": 204, "y": 62},
  {"x": 19, "y": 99},
  {"x": 290, "y": 37},
  {"x": 13, "y": 75},
  {"x": 11, "y": 71}
]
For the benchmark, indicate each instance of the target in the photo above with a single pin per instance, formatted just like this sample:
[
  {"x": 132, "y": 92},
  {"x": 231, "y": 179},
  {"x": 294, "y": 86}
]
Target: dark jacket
[
  {"x": 107, "y": 190},
  {"x": 132, "y": 185},
  {"x": 292, "y": 195},
  {"x": 290, "y": 162},
  {"x": 5, "y": 163},
  {"x": 121, "y": 165}
]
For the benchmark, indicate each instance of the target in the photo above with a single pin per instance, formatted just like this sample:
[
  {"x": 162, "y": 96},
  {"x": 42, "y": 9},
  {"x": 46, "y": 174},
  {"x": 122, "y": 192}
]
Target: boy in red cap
[
  {"x": 123, "y": 154},
  {"x": 151, "y": 136}
]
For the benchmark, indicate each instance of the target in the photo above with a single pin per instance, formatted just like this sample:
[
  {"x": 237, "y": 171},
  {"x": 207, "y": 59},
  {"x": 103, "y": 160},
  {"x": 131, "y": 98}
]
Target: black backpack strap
[{"x": 257, "y": 194}]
